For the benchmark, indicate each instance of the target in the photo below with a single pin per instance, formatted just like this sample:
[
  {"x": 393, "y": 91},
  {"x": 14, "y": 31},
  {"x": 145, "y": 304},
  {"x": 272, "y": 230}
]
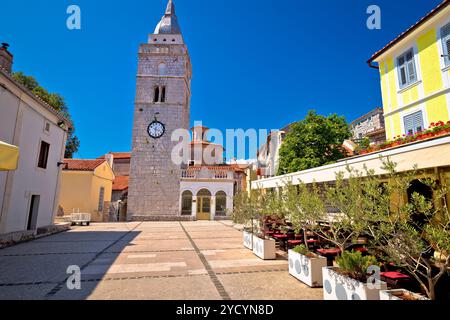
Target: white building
[
  {"x": 208, "y": 185},
  {"x": 269, "y": 153},
  {"x": 28, "y": 195}
]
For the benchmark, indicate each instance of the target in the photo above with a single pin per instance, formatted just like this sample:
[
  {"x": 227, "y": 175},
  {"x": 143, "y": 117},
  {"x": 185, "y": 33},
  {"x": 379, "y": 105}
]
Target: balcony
[{"x": 205, "y": 173}]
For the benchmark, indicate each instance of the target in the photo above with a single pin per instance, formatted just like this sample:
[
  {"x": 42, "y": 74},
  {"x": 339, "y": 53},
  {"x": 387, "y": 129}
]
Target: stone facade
[
  {"x": 154, "y": 185},
  {"x": 370, "y": 125}
]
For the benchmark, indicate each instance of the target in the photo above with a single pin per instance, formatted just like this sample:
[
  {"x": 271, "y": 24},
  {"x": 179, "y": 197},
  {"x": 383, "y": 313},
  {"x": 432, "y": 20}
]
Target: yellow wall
[
  {"x": 81, "y": 189},
  {"x": 395, "y": 101}
]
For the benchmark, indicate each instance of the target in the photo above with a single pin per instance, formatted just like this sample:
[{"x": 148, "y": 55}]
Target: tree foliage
[
  {"x": 57, "y": 102},
  {"x": 313, "y": 142},
  {"x": 364, "y": 204}
]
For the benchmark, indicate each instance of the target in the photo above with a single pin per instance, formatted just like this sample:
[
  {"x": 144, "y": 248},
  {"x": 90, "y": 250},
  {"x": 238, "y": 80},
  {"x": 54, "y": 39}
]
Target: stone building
[
  {"x": 370, "y": 125},
  {"x": 162, "y": 105}
]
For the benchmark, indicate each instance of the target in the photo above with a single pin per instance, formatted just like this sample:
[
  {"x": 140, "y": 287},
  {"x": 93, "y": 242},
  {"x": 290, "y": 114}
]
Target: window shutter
[
  {"x": 445, "y": 36},
  {"x": 418, "y": 121},
  {"x": 409, "y": 125},
  {"x": 413, "y": 123}
]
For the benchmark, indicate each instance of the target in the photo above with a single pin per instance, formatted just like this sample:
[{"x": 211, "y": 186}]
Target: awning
[{"x": 9, "y": 156}]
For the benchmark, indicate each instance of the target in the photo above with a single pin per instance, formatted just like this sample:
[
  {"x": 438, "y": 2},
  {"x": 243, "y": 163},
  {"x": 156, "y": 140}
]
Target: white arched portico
[{"x": 220, "y": 196}]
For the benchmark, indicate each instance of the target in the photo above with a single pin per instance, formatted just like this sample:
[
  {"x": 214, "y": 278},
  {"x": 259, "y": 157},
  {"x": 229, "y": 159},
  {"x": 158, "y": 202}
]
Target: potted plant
[
  {"x": 351, "y": 280},
  {"x": 244, "y": 212},
  {"x": 410, "y": 233},
  {"x": 267, "y": 204},
  {"x": 306, "y": 266}
]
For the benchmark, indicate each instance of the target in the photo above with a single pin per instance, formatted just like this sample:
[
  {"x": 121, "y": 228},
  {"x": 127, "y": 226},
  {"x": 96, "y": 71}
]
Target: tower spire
[
  {"x": 169, "y": 22},
  {"x": 170, "y": 10}
]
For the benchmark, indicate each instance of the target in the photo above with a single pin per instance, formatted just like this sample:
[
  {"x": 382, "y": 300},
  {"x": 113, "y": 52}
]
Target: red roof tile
[
  {"x": 120, "y": 183},
  {"x": 403, "y": 35},
  {"x": 82, "y": 165}
]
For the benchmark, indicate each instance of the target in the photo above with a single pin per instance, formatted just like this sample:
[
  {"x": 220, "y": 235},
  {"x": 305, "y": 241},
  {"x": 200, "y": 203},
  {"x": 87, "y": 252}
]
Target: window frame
[
  {"x": 412, "y": 114},
  {"x": 101, "y": 199},
  {"x": 406, "y": 63},
  {"x": 444, "y": 52},
  {"x": 41, "y": 162}
]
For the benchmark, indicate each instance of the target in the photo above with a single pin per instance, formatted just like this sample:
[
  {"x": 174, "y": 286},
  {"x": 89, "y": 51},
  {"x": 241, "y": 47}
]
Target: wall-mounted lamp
[{"x": 61, "y": 163}]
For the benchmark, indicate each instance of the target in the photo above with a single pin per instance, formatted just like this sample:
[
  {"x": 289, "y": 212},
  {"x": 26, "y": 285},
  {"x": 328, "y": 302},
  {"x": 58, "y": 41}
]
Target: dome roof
[{"x": 169, "y": 22}]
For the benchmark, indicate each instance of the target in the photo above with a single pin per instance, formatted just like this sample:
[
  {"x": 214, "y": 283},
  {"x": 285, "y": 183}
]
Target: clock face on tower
[{"x": 156, "y": 129}]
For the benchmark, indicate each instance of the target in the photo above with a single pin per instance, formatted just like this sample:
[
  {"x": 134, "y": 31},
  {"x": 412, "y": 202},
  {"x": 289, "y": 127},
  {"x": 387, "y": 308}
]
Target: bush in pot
[
  {"x": 353, "y": 279},
  {"x": 306, "y": 266}
]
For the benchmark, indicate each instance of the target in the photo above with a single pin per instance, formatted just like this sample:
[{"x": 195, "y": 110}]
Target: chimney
[
  {"x": 6, "y": 58},
  {"x": 110, "y": 159}
]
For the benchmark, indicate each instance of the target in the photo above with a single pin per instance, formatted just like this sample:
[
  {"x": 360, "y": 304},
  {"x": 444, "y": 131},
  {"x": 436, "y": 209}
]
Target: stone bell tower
[{"x": 162, "y": 105}]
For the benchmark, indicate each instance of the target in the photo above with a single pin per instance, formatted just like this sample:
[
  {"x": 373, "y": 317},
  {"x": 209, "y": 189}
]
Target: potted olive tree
[
  {"x": 268, "y": 203},
  {"x": 244, "y": 212},
  {"x": 304, "y": 264},
  {"x": 420, "y": 246},
  {"x": 341, "y": 214}
]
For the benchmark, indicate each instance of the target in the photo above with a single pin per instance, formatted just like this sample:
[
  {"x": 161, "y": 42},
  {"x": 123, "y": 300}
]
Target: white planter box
[
  {"x": 248, "y": 239},
  {"x": 307, "y": 270},
  {"x": 340, "y": 287},
  {"x": 392, "y": 294},
  {"x": 264, "y": 248}
]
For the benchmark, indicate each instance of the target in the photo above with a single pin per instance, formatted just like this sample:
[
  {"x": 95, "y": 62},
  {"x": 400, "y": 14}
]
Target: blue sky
[{"x": 256, "y": 63}]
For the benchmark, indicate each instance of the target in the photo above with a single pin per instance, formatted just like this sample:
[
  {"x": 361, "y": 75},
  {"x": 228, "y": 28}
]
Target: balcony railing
[{"x": 207, "y": 174}]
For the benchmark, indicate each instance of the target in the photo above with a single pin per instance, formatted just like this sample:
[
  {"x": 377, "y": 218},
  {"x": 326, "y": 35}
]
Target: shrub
[
  {"x": 302, "y": 249},
  {"x": 355, "y": 265}
]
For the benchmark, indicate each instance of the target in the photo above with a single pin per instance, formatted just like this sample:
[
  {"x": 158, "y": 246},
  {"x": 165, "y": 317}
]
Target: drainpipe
[{"x": 371, "y": 65}]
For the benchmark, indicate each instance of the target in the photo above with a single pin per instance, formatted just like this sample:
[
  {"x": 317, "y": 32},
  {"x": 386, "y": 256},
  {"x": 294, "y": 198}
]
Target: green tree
[
  {"x": 313, "y": 142},
  {"x": 57, "y": 102}
]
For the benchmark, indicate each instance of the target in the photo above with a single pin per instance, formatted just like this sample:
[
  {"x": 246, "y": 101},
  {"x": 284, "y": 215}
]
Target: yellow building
[
  {"x": 86, "y": 187},
  {"x": 415, "y": 74}
]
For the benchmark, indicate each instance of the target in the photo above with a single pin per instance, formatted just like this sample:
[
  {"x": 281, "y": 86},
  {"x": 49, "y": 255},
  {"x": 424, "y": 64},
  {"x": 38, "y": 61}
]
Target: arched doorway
[
  {"x": 186, "y": 203},
  {"x": 204, "y": 205},
  {"x": 221, "y": 203}
]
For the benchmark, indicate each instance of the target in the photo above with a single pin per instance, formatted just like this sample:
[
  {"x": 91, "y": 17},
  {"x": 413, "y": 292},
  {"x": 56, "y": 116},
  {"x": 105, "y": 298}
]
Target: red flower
[{"x": 432, "y": 124}]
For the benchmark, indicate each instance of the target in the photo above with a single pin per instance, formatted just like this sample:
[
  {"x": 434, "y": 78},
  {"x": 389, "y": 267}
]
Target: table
[{"x": 329, "y": 254}]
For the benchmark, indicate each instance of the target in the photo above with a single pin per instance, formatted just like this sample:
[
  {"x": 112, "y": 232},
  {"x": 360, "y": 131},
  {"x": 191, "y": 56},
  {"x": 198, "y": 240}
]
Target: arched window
[
  {"x": 159, "y": 94},
  {"x": 221, "y": 203},
  {"x": 162, "y": 69},
  {"x": 186, "y": 203},
  {"x": 156, "y": 94}
]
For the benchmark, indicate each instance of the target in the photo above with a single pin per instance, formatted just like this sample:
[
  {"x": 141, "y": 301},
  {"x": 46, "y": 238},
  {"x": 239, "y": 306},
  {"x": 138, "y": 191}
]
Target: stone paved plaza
[{"x": 150, "y": 260}]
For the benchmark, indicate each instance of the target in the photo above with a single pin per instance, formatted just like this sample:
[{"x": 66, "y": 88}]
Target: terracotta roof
[
  {"x": 120, "y": 183},
  {"x": 403, "y": 35},
  {"x": 82, "y": 165},
  {"x": 118, "y": 155}
]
